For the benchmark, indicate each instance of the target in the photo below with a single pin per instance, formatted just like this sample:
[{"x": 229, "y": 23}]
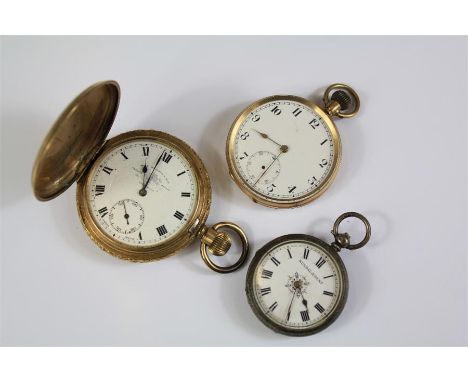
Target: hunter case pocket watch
[
  {"x": 297, "y": 284},
  {"x": 284, "y": 151},
  {"x": 142, "y": 195}
]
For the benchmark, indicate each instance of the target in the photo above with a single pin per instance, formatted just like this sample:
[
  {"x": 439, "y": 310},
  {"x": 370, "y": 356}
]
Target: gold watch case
[
  {"x": 332, "y": 109},
  {"x": 169, "y": 247},
  {"x": 74, "y": 147}
]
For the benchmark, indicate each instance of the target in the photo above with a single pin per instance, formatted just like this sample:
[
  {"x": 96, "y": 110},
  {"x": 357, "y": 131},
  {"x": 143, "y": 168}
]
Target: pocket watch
[
  {"x": 142, "y": 195},
  {"x": 284, "y": 151},
  {"x": 297, "y": 284}
]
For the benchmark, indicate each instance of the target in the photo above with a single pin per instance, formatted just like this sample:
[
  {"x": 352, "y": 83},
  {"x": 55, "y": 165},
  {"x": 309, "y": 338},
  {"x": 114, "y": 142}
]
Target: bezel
[
  {"x": 341, "y": 273},
  {"x": 169, "y": 247},
  {"x": 256, "y": 196}
]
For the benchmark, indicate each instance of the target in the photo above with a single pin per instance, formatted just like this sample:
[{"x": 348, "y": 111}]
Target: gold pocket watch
[
  {"x": 284, "y": 151},
  {"x": 142, "y": 195},
  {"x": 297, "y": 284}
]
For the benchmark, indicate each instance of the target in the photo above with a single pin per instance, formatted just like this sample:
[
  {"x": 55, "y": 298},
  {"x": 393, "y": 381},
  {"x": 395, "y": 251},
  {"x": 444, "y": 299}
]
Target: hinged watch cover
[{"x": 75, "y": 139}]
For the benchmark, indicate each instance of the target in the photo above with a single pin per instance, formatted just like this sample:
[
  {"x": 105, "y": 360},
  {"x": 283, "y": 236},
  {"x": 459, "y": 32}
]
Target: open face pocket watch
[
  {"x": 297, "y": 284},
  {"x": 284, "y": 151},
  {"x": 142, "y": 195}
]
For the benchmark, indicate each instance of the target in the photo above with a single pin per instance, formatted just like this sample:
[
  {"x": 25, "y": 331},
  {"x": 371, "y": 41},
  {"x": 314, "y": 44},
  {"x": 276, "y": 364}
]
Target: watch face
[
  {"x": 142, "y": 192},
  {"x": 297, "y": 285},
  {"x": 284, "y": 149}
]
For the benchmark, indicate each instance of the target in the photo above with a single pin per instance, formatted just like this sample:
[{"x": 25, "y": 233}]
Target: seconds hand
[{"x": 126, "y": 216}]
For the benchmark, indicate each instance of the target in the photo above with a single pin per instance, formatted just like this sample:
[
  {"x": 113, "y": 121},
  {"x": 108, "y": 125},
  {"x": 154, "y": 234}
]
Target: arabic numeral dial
[{"x": 283, "y": 150}]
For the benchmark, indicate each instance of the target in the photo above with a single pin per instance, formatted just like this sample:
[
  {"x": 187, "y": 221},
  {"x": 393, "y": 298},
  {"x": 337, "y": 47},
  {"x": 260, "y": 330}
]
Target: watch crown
[
  {"x": 217, "y": 242},
  {"x": 221, "y": 244},
  {"x": 342, "y": 98}
]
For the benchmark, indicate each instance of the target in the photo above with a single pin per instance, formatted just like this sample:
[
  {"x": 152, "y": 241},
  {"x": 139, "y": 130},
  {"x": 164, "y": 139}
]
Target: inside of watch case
[{"x": 74, "y": 139}]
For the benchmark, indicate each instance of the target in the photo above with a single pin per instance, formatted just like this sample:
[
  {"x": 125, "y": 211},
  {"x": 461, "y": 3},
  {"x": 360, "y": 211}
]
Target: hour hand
[{"x": 144, "y": 171}]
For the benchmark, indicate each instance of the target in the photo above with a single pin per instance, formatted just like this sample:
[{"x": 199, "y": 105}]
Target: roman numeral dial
[
  {"x": 296, "y": 284},
  {"x": 126, "y": 215}
]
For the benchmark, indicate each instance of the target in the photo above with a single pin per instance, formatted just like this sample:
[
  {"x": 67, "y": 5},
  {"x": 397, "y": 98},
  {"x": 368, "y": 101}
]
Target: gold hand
[
  {"x": 271, "y": 164},
  {"x": 283, "y": 148}
]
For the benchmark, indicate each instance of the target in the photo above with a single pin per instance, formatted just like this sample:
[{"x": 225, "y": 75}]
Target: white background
[{"x": 404, "y": 167}]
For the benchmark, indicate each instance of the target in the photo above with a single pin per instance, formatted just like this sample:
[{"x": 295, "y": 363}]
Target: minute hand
[
  {"x": 271, "y": 164},
  {"x": 154, "y": 168}
]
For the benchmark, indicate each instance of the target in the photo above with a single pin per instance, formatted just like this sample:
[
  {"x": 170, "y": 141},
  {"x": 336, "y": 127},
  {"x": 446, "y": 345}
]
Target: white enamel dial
[
  {"x": 297, "y": 146},
  {"x": 142, "y": 193},
  {"x": 297, "y": 285}
]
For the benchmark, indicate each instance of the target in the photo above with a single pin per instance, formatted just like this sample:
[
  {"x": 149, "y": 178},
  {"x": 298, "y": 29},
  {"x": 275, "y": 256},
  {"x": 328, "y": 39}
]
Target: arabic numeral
[
  {"x": 323, "y": 163},
  {"x": 244, "y": 136},
  {"x": 312, "y": 180}
]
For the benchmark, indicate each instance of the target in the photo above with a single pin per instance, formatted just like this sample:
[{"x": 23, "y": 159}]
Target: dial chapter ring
[{"x": 204, "y": 248}]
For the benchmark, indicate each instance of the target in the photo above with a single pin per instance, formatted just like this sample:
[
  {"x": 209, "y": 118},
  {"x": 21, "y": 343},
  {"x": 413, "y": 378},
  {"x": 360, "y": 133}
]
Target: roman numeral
[
  {"x": 273, "y": 306},
  {"x": 166, "y": 157},
  {"x": 103, "y": 211},
  {"x": 162, "y": 230},
  {"x": 305, "y": 315},
  {"x": 179, "y": 215},
  {"x": 265, "y": 291},
  {"x": 185, "y": 194},
  {"x": 319, "y": 307},
  {"x": 306, "y": 253},
  {"x": 291, "y": 189},
  {"x": 181, "y": 173},
  {"x": 297, "y": 112},
  {"x": 325, "y": 141},
  {"x": 266, "y": 274},
  {"x": 276, "y": 110},
  {"x": 140, "y": 237},
  {"x": 289, "y": 253},
  {"x": 245, "y": 156},
  {"x": 320, "y": 262},
  {"x": 99, "y": 190},
  {"x": 327, "y": 293},
  {"x": 275, "y": 261},
  {"x": 326, "y": 277},
  {"x": 145, "y": 151},
  {"x": 107, "y": 170},
  {"x": 123, "y": 154}
]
